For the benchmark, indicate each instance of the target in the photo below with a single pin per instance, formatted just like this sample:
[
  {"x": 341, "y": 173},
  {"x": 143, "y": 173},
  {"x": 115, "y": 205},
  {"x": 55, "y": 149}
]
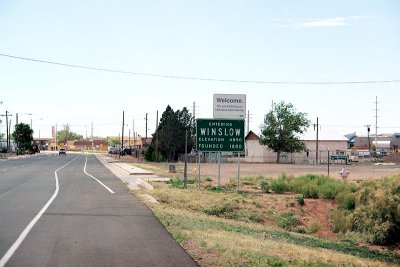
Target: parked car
[
  {"x": 62, "y": 151},
  {"x": 112, "y": 150}
]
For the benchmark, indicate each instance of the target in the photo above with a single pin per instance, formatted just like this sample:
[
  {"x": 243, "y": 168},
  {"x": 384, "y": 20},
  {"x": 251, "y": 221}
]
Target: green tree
[
  {"x": 114, "y": 142},
  {"x": 23, "y": 136},
  {"x": 281, "y": 128},
  {"x": 171, "y": 133},
  {"x": 65, "y": 135}
]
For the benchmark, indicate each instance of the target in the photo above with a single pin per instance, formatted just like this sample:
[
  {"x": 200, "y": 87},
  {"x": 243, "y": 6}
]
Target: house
[
  {"x": 255, "y": 152},
  {"x": 384, "y": 142}
]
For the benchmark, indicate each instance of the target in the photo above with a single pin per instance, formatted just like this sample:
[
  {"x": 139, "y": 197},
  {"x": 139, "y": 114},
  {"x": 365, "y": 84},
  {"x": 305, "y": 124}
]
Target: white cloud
[
  {"x": 332, "y": 22},
  {"x": 328, "y": 22}
]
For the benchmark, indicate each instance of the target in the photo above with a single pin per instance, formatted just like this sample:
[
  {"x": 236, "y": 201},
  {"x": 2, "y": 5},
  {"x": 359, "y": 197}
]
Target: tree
[
  {"x": 66, "y": 135},
  {"x": 171, "y": 133},
  {"x": 281, "y": 128},
  {"x": 23, "y": 136},
  {"x": 114, "y": 142}
]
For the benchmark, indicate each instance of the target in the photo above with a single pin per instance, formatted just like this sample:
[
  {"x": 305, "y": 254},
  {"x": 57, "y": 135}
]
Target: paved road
[{"x": 91, "y": 218}]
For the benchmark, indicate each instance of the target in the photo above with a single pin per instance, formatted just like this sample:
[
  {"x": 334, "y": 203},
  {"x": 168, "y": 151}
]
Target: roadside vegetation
[{"x": 310, "y": 220}]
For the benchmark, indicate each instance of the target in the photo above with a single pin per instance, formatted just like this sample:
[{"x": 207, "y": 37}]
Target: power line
[{"x": 196, "y": 78}]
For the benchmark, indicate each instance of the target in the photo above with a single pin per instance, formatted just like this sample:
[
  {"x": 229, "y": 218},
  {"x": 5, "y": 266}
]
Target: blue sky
[{"x": 270, "y": 41}]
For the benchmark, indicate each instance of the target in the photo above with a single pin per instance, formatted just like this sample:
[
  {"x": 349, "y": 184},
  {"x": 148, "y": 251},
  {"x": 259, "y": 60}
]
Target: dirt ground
[
  {"x": 314, "y": 210},
  {"x": 358, "y": 171}
]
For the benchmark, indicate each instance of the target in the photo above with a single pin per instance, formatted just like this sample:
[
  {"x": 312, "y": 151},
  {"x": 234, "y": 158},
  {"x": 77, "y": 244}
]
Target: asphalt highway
[{"x": 72, "y": 211}]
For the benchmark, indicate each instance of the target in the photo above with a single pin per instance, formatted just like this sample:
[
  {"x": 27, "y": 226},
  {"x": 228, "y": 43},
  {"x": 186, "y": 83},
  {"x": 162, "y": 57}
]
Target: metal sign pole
[
  {"x": 219, "y": 169},
  {"x": 199, "y": 154},
  {"x": 328, "y": 162},
  {"x": 238, "y": 181}
]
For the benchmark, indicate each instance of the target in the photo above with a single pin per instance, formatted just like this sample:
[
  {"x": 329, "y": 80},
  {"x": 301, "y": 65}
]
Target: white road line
[
  {"x": 10, "y": 252},
  {"x": 106, "y": 187}
]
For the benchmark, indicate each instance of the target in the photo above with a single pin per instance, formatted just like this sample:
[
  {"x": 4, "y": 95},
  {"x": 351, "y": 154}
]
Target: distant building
[
  {"x": 255, "y": 152},
  {"x": 385, "y": 142},
  {"x": 43, "y": 143},
  {"x": 80, "y": 145}
]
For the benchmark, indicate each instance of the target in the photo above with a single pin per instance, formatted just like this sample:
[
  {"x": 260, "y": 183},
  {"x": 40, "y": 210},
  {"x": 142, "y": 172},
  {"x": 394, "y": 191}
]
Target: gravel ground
[{"x": 358, "y": 171}]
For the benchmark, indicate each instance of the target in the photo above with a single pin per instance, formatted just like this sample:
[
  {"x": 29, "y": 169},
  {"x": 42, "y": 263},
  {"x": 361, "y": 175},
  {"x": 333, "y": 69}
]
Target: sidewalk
[{"x": 132, "y": 176}]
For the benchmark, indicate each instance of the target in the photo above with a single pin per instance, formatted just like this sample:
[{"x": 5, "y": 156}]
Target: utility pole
[
  {"x": 376, "y": 122},
  {"x": 133, "y": 132},
  {"x": 369, "y": 142},
  {"x": 248, "y": 121},
  {"x": 55, "y": 139},
  {"x": 316, "y": 153},
  {"x": 157, "y": 138},
  {"x": 16, "y": 126},
  {"x": 185, "y": 168},
  {"x": 194, "y": 110},
  {"x": 145, "y": 141},
  {"x": 8, "y": 131},
  {"x": 92, "y": 136},
  {"x": 123, "y": 125},
  {"x": 194, "y": 121}
]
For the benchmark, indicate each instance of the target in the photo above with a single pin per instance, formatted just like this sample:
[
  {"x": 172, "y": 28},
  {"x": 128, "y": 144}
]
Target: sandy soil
[{"x": 358, "y": 171}]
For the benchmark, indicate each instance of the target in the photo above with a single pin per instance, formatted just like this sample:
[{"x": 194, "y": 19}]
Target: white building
[{"x": 255, "y": 152}]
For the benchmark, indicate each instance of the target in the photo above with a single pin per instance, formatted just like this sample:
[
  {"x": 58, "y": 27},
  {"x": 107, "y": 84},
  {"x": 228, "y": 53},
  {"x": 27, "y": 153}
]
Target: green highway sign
[{"x": 220, "y": 135}]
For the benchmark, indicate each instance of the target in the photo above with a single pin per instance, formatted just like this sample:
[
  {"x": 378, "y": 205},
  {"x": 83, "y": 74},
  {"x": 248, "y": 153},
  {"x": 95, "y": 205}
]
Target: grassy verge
[
  {"x": 230, "y": 229},
  {"x": 152, "y": 168}
]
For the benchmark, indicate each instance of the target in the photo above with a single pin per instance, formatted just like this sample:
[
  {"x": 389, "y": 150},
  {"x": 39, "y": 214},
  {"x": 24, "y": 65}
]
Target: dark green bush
[
  {"x": 300, "y": 201},
  {"x": 265, "y": 186}
]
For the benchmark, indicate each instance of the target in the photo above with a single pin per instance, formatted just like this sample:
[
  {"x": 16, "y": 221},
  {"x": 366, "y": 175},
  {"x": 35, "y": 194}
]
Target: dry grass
[{"x": 232, "y": 237}]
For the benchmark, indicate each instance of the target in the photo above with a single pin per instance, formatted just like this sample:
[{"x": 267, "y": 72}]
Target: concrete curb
[{"x": 124, "y": 173}]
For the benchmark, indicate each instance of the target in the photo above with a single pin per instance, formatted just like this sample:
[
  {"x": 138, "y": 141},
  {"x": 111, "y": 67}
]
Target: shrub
[
  {"x": 218, "y": 189},
  {"x": 314, "y": 186},
  {"x": 346, "y": 200},
  {"x": 255, "y": 217},
  {"x": 279, "y": 185},
  {"x": 226, "y": 210},
  {"x": 177, "y": 183},
  {"x": 310, "y": 190},
  {"x": 313, "y": 228},
  {"x": 287, "y": 220},
  {"x": 208, "y": 179},
  {"x": 330, "y": 189},
  {"x": 300, "y": 229},
  {"x": 148, "y": 153},
  {"x": 377, "y": 212},
  {"x": 265, "y": 186},
  {"x": 300, "y": 201},
  {"x": 340, "y": 221}
]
